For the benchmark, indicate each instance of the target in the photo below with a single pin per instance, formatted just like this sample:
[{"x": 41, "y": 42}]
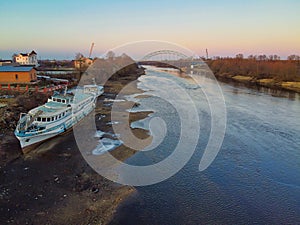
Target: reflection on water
[
  {"x": 240, "y": 88},
  {"x": 255, "y": 177}
]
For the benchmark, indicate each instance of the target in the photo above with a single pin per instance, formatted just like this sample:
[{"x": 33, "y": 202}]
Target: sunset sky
[{"x": 58, "y": 29}]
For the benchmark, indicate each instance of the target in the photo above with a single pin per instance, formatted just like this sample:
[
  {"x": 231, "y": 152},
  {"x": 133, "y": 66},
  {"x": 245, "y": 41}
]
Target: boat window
[
  {"x": 58, "y": 100},
  {"x": 63, "y": 101},
  {"x": 59, "y": 116},
  {"x": 38, "y": 119},
  {"x": 63, "y": 114},
  {"x": 43, "y": 119},
  {"x": 48, "y": 119},
  {"x": 52, "y": 118}
]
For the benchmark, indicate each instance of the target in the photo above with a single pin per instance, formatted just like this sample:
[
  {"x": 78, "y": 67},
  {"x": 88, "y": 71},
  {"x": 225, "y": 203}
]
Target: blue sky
[{"x": 59, "y": 29}]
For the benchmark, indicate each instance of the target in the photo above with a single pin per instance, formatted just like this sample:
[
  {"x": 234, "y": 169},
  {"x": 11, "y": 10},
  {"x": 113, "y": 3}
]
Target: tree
[
  {"x": 110, "y": 55},
  {"x": 239, "y": 56},
  {"x": 78, "y": 56},
  {"x": 276, "y": 57},
  {"x": 271, "y": 57},
  {"x": 262, "y": 57},
  {"x": 251, "y": 57},
  {"x": 216, "y": 57},
  {"x": 293, "y": 57}
]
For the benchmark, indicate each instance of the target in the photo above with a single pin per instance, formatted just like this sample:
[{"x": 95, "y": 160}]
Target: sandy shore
[{"x": 54, "y": 184}]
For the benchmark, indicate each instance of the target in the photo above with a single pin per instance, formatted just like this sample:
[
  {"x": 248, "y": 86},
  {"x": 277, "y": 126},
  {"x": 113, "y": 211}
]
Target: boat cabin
[
  {"x": 61, "y": 99},
  {"x": 52, "y": 118}
]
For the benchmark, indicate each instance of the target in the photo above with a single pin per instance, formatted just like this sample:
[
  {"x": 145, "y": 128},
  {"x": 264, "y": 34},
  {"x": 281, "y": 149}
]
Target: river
[{"x": 255, "y": 178}]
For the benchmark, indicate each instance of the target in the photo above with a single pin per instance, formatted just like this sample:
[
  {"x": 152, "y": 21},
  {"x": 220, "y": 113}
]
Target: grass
[
  {"x": 294, "y": 86},
  {"x": 242, "y": 78}
]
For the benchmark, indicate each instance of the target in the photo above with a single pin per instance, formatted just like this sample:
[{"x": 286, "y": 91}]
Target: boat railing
[
  {"x": 26, "y": 120},
  {"x": 33, "y": 117},
  {"x": 22, "y": 121}
]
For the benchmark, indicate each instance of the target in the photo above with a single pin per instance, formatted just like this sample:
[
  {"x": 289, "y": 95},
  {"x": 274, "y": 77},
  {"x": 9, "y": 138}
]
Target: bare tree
[
  {"x": 276, "y": 57},
  {"x": 78, "y": 56},
  {"x": 293, "y": 57},
  {"x": 262, "y": 57},
  {"x": 239, "y": 56},
  {"x": 252, "y": 57},
  {"x": 271, "y": 57},
  {"x": 110, "y": 55}
]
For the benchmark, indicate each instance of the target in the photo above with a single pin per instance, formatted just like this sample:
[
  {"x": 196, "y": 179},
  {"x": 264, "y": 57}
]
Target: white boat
[{"x": 60, "y": 113}]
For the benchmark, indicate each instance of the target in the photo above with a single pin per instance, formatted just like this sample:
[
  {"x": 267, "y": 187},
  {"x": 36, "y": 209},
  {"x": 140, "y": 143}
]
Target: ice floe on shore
[{"x": 105, "y": 144}]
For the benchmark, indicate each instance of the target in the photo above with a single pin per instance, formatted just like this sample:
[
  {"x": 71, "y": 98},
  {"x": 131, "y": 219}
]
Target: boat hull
[
  {"x": 28, "y": 148},
  {"x": 25, "y": 142}
]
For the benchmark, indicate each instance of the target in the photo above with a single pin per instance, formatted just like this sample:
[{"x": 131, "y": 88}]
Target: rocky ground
[
  {"x": 19, "y": 103},
  {"x": 54, "y": 184}
]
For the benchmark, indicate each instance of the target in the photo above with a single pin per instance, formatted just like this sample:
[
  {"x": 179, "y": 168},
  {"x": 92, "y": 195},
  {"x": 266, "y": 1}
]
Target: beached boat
[{"x": 60, "y": 113}]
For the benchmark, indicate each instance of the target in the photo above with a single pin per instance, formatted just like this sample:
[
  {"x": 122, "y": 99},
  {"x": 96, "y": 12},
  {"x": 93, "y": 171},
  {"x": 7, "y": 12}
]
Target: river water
[{"x": 255, "y": 178}]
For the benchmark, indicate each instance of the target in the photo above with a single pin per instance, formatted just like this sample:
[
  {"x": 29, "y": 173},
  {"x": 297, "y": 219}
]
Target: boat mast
[{"x": 65, "y": 92}]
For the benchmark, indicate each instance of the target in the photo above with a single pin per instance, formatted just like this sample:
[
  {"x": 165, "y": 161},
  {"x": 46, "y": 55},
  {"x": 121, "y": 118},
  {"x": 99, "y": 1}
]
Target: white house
[{"x": 26, "y": 58}]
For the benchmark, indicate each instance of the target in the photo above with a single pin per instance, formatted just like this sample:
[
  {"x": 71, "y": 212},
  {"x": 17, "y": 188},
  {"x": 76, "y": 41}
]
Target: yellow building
[
  {"x": 17, "y": 74},
  {"x": 83, "y": 63}
]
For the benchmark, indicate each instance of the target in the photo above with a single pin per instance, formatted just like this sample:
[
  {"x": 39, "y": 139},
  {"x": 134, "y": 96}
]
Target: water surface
[{"x": 254, "y": 178}]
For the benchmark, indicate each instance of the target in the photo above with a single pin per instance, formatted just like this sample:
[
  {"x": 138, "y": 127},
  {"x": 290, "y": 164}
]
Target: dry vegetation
[{"x": 259, "y": 70}]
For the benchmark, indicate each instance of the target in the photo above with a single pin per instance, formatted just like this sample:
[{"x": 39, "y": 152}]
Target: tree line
[
  {"x": 257, "y": 67},
  {"x": 261, "y": 57}
]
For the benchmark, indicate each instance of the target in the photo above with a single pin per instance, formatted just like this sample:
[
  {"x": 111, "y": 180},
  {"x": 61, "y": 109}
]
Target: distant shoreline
[
  {"x": 290, "y": 86},
  {"x": 267, "y": 72}
]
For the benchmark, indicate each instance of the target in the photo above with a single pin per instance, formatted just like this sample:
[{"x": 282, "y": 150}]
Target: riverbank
[
  {"x": 264, "y": 72},
  {"x": 54, "y": 184},
  {"x": 265, "y": 82}
]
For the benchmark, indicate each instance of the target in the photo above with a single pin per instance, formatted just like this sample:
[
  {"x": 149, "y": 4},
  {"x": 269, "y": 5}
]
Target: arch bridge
[{"x": 171, "y": 58}]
